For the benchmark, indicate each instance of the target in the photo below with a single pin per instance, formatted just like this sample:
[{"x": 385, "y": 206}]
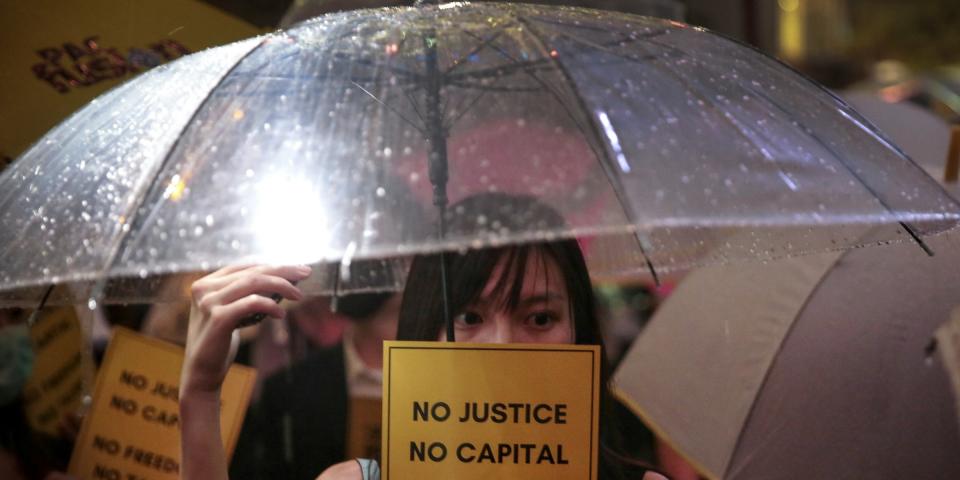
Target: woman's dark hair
[{"x": 480, "y": 216}]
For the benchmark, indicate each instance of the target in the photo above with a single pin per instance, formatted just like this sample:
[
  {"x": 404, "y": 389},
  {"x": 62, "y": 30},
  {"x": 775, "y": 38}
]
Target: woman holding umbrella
[{"x": 533, "y": 293}]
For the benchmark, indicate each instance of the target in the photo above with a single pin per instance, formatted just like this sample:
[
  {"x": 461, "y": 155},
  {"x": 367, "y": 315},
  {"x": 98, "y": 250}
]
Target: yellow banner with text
[
  {"x": 471, "y": 411},
  {"x": 132, "y": 430}
]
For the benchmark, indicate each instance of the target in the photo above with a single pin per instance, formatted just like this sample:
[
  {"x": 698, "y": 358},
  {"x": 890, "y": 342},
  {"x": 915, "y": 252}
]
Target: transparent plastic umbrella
[{"x": 663, "y": 145}]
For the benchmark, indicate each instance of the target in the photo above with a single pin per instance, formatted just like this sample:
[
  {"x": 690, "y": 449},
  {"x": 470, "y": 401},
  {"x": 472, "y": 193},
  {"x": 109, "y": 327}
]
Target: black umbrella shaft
[
  {"x": 437, "y": 137},
  {"x": 437, "y": 162}
]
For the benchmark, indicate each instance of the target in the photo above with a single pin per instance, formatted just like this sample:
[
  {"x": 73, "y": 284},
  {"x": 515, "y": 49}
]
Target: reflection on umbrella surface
[
  {"x": 676, "y": 146},
  {"x": 821, "y": 365}
]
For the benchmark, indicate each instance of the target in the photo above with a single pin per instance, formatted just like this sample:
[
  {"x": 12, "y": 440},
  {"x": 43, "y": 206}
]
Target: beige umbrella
[{"x": 818, "y": 367}]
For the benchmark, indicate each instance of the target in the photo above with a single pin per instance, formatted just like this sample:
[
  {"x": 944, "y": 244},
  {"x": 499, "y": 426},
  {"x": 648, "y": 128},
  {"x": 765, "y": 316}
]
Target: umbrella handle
[{"x": 256, "y": 318}]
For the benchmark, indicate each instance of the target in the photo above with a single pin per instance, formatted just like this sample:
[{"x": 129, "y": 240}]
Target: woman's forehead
[{"x": 541, "y": 276}]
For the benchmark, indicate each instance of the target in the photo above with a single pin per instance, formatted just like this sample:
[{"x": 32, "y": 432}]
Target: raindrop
[
  {"x": 235, "y": 244},
  {"x": 209, "y": 220},
  {"x": 92, "y": 304},
  {"x": 387, "y": 152},
  {"x": 142, "y": 273},
  {"x": 197, "y": 231},
  {"x": 381, "y": 192}
]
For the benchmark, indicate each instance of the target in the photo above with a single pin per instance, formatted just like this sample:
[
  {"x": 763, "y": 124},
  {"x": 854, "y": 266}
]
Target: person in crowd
[
  {"x": 301, "y": 423},
  {"x": 534, "y": 293},
  {"x": 24, "y": 453}
]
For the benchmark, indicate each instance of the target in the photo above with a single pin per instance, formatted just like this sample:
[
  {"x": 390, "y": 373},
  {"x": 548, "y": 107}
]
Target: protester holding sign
[
  {"x": 24, "y": 453},
  {"x": 536, "y": 293}
]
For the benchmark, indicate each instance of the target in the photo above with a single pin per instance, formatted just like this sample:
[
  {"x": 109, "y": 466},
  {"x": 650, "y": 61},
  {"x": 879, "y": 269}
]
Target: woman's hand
[{"x": 220, "y": 301}]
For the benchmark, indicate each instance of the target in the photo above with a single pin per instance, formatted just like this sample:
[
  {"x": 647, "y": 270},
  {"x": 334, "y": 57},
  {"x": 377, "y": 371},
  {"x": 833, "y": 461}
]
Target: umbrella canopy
[
  {"x": 815, "y": 367},
  {"x": 664, "y": 140},
  {"x": 923, "y": 136}
]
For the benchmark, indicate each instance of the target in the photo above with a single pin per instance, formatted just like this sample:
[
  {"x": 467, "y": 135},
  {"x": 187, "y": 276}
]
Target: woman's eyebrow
[{"x": 541, "y": 298}]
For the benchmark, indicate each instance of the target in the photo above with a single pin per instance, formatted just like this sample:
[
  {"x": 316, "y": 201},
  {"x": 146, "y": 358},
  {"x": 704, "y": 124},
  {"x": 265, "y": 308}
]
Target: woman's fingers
[
  {"x": 225, "y": 276},
  {"x": 249, "y": 285},
  {"x": 228, "y": 316}
]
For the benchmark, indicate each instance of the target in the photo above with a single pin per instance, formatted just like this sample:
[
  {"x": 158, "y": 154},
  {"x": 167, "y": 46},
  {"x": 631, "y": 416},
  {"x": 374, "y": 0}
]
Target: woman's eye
[
  {"x": 541, "y": 320},
  {"x": 468, "y": 319}
]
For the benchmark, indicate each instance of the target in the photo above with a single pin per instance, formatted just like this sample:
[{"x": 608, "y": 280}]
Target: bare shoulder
[
  {"x": 349, "y": 470},
  {"x": 654, "y": 476}
]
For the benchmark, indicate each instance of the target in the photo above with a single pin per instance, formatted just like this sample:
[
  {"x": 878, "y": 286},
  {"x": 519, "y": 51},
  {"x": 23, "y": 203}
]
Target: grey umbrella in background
[
  {"x": 665, "y": 146},
  {"x": 813, "y": 367}
]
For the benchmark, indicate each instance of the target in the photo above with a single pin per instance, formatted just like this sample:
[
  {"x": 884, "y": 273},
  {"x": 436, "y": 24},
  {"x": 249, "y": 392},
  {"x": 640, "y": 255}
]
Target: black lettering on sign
[
  {"x": 127, "y": 405},
  {"x": 52, "y": 334},
  {"x": 436, "y": 451},
  {"x": 166, "y": 391},
  {"x": 135, "y": 380},
  {"x": 440, "y": 411},
  {"x": 99, "y": 471},
  {"x": 149, "y": 459},
  {"x": 62, "y": 373},
  {"x": 157, "y": 415},
  {"x": 107, "y": 445}
]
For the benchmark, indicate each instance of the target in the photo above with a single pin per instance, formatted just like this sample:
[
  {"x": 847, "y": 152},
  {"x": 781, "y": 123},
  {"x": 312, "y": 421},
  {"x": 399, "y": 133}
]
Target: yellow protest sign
[
  {"x": 55, "y": 387},
  {"x": 363, "y": 428},
  {"x": 132, "y": 429},
  {"x": 465, "y": 411}
]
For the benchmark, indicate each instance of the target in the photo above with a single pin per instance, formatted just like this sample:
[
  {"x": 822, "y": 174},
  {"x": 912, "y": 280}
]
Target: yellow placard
[
  {"x": 132, "y": 430},
  {"x": 363, "y": 428},
  {"x": 60, "y": 55},
  {"x": 55, "y": 387},
  {"x": 472, "y": 411}
]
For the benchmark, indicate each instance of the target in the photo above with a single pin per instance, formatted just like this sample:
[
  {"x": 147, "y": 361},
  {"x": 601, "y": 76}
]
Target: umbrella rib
[
  {"x": 465, "y": 110},
  {"x": 413, "y": 103},
  {"x": 133, "y": 217},
  {"x": 460, "y": 61},
  {"x": 910, "y": 230},
  {"x": 617, "y": 189},
  {"x": 385, "y": 104}
]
